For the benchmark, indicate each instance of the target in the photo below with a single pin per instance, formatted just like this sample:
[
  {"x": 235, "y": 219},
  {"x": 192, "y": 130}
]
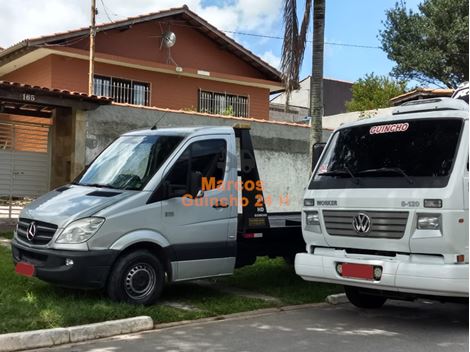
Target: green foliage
[
  {"x": 228, "y": 111},
  {"x": 374, "y": 92},
  {"x": 431, "y": 45},
  {"x": 7, "y": 235},
  {"x": 30, "y": 304}
]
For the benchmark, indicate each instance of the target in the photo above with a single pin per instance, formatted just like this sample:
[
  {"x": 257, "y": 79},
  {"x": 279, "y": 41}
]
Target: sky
[{"x": 355, "y": 22}]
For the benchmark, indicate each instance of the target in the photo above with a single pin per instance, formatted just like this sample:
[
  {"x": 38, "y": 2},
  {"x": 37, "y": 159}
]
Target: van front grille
[
  {"x": 44, "y": 231},
  {"x": 383, "y": 224}
]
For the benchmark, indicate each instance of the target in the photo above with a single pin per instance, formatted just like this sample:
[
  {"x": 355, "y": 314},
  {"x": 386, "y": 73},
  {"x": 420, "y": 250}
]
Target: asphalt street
[{"x": 398, "y": 326}]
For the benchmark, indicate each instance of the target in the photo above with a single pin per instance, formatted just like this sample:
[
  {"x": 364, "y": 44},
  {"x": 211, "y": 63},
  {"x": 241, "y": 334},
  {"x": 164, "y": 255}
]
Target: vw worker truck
[{"x": 385, "y": 212}]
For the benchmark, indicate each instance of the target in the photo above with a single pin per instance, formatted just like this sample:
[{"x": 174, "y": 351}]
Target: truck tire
[
  {"x": 137, "y": 277},
  {"x": 289, "y": 259},
  {"x": 363, "y": 300}
]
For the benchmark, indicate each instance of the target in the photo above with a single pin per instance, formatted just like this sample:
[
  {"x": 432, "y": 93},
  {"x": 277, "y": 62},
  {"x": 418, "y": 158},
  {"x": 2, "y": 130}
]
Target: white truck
[{"x": 386, "y": 210}]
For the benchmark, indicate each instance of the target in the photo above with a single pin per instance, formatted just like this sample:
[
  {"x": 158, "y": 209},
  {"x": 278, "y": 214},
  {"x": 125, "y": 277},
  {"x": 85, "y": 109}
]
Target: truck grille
[
  {"x": 383, "y": 224},
  {"x": 44, "y": 231}
]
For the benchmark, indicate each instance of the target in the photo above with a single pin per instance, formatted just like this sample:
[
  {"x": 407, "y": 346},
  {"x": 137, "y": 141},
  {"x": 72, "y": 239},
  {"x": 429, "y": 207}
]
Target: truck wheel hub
[{"x": 140, "y": 281}]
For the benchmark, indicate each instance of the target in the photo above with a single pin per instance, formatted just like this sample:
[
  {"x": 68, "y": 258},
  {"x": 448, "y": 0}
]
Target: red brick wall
[
  {"x": 192, "y": 49},
  {"x": 37, "y": 73},
  {"x": 167, "y": 91}
]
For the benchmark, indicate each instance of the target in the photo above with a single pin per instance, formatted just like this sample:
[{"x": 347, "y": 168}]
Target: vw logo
[
  {"x": 31, "y": 231},
  {"x": 361, "y": 223}
]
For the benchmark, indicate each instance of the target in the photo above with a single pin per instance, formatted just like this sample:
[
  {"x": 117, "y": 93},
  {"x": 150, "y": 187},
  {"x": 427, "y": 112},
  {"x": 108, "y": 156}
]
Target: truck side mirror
[
  {"x": 195, "y": 187},
  {"x": 316, "y": 153}
]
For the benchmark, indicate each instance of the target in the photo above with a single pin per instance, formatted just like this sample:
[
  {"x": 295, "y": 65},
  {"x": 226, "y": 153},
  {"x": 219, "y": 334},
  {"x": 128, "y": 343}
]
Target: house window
[
  {"x": 223, "y": 104},
  {"x": 122, "y": 90}
]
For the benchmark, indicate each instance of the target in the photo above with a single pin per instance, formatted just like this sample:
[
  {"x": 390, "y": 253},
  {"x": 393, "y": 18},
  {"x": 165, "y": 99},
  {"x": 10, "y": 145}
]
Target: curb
[
  {"x": 52, "y": 337},
  {"x": 339, "y": 298},
  {"x": 235, "y": 316},
  {"x": 59, "y": 336}
]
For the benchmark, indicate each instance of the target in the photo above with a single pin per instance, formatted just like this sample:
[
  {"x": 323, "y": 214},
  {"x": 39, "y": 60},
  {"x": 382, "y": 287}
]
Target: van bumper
[
  {"x": 90, "y": 269},
  {"x": 421, "y": 274}
]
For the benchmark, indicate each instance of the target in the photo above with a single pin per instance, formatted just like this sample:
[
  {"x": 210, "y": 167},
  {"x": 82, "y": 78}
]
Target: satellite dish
[{"x": 169, "y": 39}]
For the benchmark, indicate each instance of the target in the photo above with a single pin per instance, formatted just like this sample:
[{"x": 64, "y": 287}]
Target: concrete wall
[
  {"x": 62, "y": 148},
  {"x": 277, "y": 112},
  {"x": 335, "y": 95},
  {"x": 281, "y": 149}
]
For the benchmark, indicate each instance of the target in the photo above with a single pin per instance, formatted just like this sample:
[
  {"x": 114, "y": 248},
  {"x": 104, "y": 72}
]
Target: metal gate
[{"x": 24, "y": 165}]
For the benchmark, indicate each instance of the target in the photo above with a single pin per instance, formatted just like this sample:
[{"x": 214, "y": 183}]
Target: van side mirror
[
  {"x": 195, "y": 187},
  {"x": 164, "y": 190},
  {"x": 316, "y": 153}
]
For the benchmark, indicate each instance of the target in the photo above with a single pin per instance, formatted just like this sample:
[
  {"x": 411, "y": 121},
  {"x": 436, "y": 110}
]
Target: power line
[
  {"x": 281, "y": 38},
  {"x": 73, "y": 41},
  {"x": 309, "y": 41},
  {"x": 68, "y": 42},
  {"x": 106, "y": 11},
  {"x": 265, "y": 35}
]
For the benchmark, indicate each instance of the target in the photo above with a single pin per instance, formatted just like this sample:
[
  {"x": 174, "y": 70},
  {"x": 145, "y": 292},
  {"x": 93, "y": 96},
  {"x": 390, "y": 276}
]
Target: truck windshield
[
  {"x": 402, "y": 154},
  {"x": 129, "y": 162}
]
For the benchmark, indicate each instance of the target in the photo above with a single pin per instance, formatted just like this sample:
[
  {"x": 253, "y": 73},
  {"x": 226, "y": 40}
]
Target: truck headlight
[
  {"x": 429, "y": 221},
  {"x": 80, "y": 231},
  {"x": 312, "y": 218}
]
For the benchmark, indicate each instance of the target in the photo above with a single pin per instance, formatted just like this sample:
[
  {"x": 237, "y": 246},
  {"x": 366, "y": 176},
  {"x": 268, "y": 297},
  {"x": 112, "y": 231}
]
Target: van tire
[
  {"x": 363, "y": 300},
  {"x": 137, "y": 277}
]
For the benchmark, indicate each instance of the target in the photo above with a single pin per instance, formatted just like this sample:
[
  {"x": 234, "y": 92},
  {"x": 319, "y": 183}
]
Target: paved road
[{"x": 399, "y": 326}]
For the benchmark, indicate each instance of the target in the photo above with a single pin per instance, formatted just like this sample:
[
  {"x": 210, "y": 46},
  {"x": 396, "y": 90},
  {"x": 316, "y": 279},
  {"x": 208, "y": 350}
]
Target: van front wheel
[
  {"x": 363, "y": 300},
  {"x": 137, "y": 277}
]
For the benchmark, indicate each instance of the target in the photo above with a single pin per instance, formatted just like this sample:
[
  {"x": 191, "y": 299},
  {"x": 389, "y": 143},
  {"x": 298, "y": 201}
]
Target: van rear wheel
[
  {"x": 137, "y": 277},
  {"x": 363, "y": 300}
]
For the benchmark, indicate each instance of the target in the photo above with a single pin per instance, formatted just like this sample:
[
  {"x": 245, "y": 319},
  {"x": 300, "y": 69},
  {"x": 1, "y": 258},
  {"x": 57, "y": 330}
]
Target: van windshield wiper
[
  {"x": 396, "y": 170},
  {"x": 98, "y": 185},
  {"x": 338, "y": 172}
]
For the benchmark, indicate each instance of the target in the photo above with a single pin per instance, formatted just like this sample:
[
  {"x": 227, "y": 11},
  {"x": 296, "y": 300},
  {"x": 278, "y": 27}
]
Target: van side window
[
  {"x": 209, "y": 158},
  {"x": 206, "y": 157},
  {"x": 177, "y": 179}
]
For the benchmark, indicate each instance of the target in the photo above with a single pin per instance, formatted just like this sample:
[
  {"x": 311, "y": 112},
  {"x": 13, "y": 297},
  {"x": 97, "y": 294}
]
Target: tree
[
  {"x": 431, "y": 45},
  {"x": 293, "y": 49},
  {"x": 374, "y": 92}
]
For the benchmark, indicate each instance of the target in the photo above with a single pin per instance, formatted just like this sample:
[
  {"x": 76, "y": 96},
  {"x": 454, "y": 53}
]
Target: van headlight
[
  {"x": 429, "y": 221},
  {"x": 80, "y": 231}
]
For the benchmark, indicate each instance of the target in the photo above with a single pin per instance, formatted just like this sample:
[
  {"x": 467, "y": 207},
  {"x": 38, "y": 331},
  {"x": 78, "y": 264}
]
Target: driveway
[{"x": 398, "y": 326}]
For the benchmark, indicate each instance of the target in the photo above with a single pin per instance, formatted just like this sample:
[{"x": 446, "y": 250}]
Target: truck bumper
[
  {"x": 90, "y": 269},
  {"x": 423, "y": 275}
]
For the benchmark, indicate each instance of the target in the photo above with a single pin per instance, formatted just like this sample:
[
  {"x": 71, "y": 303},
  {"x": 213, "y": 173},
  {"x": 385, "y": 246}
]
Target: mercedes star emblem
[{"x": 31, "y": 231}]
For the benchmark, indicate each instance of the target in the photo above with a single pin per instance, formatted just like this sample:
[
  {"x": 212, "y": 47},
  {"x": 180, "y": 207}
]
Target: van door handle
[{"x": 218, "y": 206}]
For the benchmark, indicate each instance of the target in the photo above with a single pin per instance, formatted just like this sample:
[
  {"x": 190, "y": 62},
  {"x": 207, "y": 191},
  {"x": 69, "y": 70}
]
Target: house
[
  {"x": 334, "y": 121},
  {"x": 421, "y": 93},
  {"x": 171, "y": 60},
  {"x": 204, "y": 70},
  {"x": 335, "y": 95}
]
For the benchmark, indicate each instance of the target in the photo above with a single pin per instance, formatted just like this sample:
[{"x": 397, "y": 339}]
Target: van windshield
[
  {"x": 129, "y": 162},
  {"x": 402, "y": 154}
]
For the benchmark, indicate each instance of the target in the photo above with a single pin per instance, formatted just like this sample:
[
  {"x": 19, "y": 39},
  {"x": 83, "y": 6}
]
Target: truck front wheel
[
  {"x": 137, "y": 277},
  {"x": 363, "y": 300}
]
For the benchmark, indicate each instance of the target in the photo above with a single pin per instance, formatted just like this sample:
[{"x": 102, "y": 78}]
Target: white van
[
  {"x": 157, "y": 206},
  {"x": 386, "y": 210}
]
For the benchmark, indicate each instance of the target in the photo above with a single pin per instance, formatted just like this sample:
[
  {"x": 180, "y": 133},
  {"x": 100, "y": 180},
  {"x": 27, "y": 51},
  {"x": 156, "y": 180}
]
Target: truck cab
[{"x": 385, "y": 212}]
